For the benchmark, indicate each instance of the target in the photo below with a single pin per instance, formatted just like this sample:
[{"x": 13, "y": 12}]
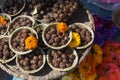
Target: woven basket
[{"x": 83, "y": 16}]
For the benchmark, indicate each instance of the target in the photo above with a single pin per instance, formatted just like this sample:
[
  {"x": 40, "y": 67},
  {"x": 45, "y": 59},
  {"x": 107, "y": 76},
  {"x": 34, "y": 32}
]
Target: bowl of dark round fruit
[
  {"x": 20, "y": 21},
  {"x": 62, "y": 60},
  {"x": 13, "y": 7},
  {"x": 85, "y": 33},
  {"x": 6, "y": 55},
  {"x": 23, "y": 40},
  {"x": 5, "y": 20},
  {"x": 31, "y": 63},
  {"x": 39, "y": 29},
  {"x": 57, "y": 35}
]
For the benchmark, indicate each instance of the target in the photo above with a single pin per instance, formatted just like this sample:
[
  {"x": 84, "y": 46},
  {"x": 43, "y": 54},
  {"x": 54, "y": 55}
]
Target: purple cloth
[{"x": 105, "y": 30}]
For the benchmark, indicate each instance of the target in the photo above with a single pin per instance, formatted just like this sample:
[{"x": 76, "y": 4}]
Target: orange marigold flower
[
  {"x": 3, "y": 21},
  {"x": 90, "y": 77},
  {"x": 62, "y": 27},
  {"x": 87, "y": 68},
  {"x": 31, "y": 42}
]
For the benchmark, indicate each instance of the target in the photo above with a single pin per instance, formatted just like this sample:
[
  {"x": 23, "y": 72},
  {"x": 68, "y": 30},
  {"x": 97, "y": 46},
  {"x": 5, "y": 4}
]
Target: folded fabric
[{"x": 105, "y": 30}]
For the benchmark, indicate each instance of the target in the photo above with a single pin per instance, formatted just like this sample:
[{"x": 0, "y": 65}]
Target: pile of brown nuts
[
  {"x": 31, "y": 5},
  {"x": 2, "y": 29},
  {"x": 61, "y": 11},
  {"x": 19, "y": 39},
  {"x": 56, "y": 38},
  {"x": 5, "y": 52},
  {"x": 85, "y": 35},
  {"x": 31, "y": 61},
  {"x": 42, "y": 6},
  {"x": 62, "y": 58},
  {"x": 40, "y": 42},
  {"x": 51, "y": 10},
  {"x": 21, "y": 21},
  {"x": 12, "y": 6}
]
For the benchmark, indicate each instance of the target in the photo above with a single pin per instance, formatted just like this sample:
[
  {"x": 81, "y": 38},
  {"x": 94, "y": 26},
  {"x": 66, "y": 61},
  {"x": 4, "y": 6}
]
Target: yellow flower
[
  {"x": 76, "y": 41},
  {"x": 87, "y": 68},
  {"x": 97, "y": 54},
  {"x": 31, "y": 42},
  {"x": 62, "y": 27},
  {"x": 70, "y": 76},
  {"x": 97, "y": 49}
]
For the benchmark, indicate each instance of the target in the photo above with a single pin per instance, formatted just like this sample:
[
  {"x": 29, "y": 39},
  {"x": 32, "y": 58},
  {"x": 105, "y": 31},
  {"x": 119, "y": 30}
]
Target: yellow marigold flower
[
  {"x": 84, "y": 68},
  {"x": 62, "y": 27},
  {"x": 70, "y": 76},
  {"x": 31, "y": 42},
  {"x": 97, "y": 60},
  {"x": 87, "y": 68},
  {"x": 97, "y": 54},
  {"x": 97, "y": 49},
  {"x": 76, "y": 41}
]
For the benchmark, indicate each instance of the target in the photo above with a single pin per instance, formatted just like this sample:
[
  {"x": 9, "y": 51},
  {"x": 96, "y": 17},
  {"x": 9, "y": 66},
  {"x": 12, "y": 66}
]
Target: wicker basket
[{"x": 47, "y": 73}]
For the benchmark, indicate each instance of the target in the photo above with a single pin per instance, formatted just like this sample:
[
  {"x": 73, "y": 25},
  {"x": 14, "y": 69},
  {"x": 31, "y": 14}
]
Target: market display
[
  {"x": 6, "y": 54},
  {"x": 42, "y": 34},
  {"x": 33, "y": 62},
  {"x": 62, "y": 60}
]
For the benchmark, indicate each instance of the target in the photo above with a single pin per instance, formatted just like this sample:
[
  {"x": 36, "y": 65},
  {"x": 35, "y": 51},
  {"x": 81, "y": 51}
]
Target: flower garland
[{"x": 31, "y": 42}]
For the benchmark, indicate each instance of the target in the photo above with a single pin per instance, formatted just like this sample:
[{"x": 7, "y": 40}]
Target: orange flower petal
[
  {"x": 62, "y": 27},
  {"x": 31, "y": 42}
]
